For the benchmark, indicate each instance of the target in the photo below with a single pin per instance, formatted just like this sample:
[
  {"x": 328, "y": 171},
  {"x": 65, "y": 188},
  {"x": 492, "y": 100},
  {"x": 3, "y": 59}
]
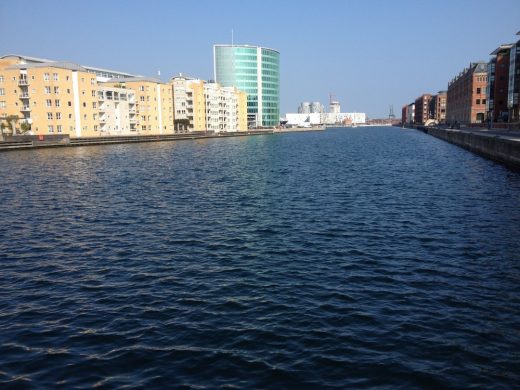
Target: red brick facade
[
  {"x": 466, "y": 97},
  {"x": 422, "y": 104}
]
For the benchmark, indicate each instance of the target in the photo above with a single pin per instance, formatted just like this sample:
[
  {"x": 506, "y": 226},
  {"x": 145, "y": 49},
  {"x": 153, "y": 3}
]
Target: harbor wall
[{"x": 494, "y": 147}]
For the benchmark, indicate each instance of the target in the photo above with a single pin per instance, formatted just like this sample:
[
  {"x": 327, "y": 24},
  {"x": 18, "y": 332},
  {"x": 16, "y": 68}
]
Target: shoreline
[
  {"x": 34, "y": 142},
  {"x": 497, "y": 145}
]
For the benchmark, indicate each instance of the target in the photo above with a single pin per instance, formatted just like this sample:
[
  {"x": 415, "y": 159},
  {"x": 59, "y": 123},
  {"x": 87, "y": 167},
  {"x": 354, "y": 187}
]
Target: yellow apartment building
[
  {"x": 153, "y": 103},
  {"x": 48, "y": 97},
  {"x": 189, "y": 104}
]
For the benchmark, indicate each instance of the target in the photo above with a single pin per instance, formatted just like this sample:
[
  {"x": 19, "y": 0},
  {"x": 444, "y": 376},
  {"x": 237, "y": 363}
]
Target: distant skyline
[{"x": 370, "y": 54}]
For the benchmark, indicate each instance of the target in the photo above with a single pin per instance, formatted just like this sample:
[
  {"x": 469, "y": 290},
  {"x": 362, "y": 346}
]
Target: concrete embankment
[
  {"x": 32, "y": 142},
  {"x": 500, "y": 147}
]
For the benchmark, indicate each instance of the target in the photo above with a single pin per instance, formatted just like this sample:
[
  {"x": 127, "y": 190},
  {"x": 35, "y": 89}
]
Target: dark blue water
[{"x": 354, "y": 258}]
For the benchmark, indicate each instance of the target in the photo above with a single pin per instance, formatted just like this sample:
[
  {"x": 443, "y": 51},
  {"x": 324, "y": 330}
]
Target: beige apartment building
[
  {"x": 48, "y": 97},
  {"x": 189, "y": 104},
  {"x": 208, "y": 106},
  {"x": 153, "y": 103}
]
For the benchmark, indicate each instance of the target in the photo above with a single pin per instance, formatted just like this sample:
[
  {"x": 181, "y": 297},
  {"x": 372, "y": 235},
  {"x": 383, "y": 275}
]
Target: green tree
[{"x": 25, "y": 127}]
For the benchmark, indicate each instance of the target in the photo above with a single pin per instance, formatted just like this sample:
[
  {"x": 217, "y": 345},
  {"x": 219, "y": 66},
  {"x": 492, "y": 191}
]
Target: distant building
[
  {"x": 343, "y": 118},
  {"x": 514, "y": 83},
  {"x": 404, "y": 114},
  {"x": 437, "y": 107},
  {"x": 334, "y": 107},
  {"x": 422, "y": 104},
  {"x": 256, "y": 71},
  {"x": 466, "y": 97},
  {"x": 497, "y": 84},
  {"x": 411, "y": 114}
]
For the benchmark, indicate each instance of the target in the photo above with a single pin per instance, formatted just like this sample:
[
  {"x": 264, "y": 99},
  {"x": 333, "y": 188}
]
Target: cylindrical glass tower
[{"x": 256, "y": 71}]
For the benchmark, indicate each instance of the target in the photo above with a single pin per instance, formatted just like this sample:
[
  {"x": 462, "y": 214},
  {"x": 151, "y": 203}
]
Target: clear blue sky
[{"x": 369, "y": 53}]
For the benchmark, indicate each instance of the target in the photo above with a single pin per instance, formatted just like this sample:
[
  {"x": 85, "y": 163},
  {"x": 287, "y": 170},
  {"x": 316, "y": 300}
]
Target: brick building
[
  {"x": 422, "y": 104},
  {"x": 404, "y": 114},
  {"x": 466, "y": 96},
  {"x": 437, "y": 107}
]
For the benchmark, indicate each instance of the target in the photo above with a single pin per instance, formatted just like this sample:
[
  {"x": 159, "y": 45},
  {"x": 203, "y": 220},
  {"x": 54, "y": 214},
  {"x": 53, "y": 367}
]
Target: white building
[
  {"x": 117, "y": 113},
  {"x": 303, "y": 120},
  {"x": 344, "y": 118}
]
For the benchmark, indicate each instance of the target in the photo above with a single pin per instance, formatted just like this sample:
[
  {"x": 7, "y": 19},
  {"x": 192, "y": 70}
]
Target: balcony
[
  {"x": 25, "y": 108},
  {"x": 24, "y": 95},
  {"x": 22, "y": 82}
]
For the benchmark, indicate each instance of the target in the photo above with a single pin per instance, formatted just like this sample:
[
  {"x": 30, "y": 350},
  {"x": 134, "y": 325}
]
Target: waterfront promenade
[{"x": 496, "y": 144}]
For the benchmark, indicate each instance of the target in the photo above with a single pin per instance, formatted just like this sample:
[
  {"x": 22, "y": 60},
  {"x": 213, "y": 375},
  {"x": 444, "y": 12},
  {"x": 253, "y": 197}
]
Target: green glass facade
[{"x": 256, "y": 71}]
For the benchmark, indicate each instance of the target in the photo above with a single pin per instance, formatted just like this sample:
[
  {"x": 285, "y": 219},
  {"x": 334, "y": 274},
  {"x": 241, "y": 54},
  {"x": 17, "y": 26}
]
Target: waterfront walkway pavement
[{"x": 513, "y": 135}]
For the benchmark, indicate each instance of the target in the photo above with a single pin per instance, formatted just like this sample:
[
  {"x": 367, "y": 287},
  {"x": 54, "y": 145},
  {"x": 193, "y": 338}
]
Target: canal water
[{"x": 351, "y": 258}]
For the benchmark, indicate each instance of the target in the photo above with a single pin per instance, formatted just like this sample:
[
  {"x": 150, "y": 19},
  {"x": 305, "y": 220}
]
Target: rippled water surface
[{"x": 354, "y": 258}]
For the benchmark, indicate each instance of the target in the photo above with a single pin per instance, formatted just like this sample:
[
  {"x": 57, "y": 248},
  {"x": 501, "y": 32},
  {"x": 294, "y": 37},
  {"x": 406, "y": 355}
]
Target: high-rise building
[{"x": 256, "y": 71}]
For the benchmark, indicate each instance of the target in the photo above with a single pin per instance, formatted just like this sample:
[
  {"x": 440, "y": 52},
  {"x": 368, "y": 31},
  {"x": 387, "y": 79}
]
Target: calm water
[{"x": 355, "y": 258}]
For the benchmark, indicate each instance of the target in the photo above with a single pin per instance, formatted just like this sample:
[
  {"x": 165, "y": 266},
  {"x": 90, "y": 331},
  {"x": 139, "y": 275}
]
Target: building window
[
  {"x": 84, "y": 104},
  {"x": 483, "y": 101},
  {"x": 48, "y": 103},
  {"x": 69, "y": 104},
  {"x": 58, "y": 128},
  {"x": 478, "y": 90},
  {"x": 55, "y": 76},
  {"x": 70, "y": 116},
  {"x": 68, "y": 90},
  {"x": 85, "y": 116},
  {"x": 94, "y": 105},
  {"x": 2, "y": 104},
  {"x": 1, "y": 79},
  {"x": 46, "y": 77},
  {"x": 57, "y": 90},
  {"x": 57, "y": 103},
  {"x": 51, "y": 129},
  {"x": 47, "y": 90},
  {"x": 141, "y": 98},
  {"x": 67, "y": 78},
  {"x": 478, "y": 101},
  {"x": 58, "y": 115},
  {"x": 141, "y": 88},
  {"x": 49, "y": 115},
  {"x": 94, "y": 116},
  {"x": 93, "y": 93},
  {"x": 2, "y": 91},
  {"x": 92, "y": 81}
]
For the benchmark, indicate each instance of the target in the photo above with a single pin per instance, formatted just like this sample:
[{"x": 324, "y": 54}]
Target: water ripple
[{"x": 352, "y": 258}]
